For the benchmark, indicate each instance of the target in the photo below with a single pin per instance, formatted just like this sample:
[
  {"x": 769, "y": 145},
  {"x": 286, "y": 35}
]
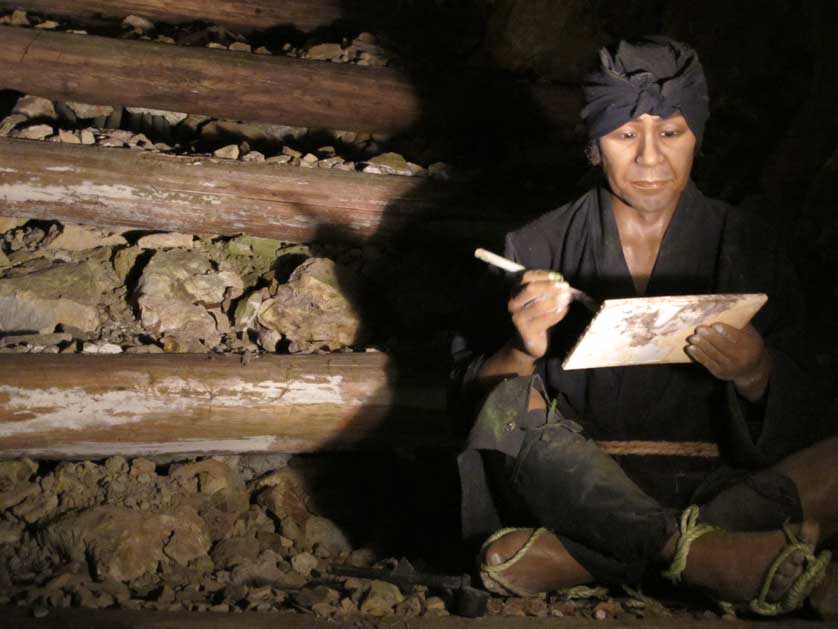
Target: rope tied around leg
[{"x": 690, "y": 531}]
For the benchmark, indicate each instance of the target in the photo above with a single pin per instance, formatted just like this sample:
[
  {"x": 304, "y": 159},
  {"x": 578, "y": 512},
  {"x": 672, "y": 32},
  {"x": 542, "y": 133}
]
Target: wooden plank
[
  {"x": 272, "y": 89},
  {"x": 101, "y": 186},
  {"x": 245, "y": 15},
  {"x": 80, "y": 406}
]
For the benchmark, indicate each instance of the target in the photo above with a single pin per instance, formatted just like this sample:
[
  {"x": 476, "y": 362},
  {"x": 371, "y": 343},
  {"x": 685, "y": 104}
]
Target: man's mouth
[{"x": 650, "y": 185}]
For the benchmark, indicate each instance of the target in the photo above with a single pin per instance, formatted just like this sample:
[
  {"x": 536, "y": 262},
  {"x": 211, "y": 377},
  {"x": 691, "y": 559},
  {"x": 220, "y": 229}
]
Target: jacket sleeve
[{"x": 793, "y": 413}]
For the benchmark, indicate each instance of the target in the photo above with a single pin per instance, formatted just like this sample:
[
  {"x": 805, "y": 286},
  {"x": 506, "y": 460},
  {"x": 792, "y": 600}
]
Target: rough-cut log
[
  {"x": 77, "y": 406},
  {"x": 99, "y": 186},
  {"x": 258, "y": 88},
  {"x": 241, "y": 86},
  {"x": 305, "y": 15}
]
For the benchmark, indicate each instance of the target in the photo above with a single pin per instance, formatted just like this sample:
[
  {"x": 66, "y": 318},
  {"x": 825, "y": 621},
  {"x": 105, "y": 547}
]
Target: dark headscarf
[{"x": 656, "y": 76}]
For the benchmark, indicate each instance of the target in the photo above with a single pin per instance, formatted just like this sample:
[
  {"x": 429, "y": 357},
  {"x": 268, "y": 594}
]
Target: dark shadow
[{"x": 416, "y": 290}]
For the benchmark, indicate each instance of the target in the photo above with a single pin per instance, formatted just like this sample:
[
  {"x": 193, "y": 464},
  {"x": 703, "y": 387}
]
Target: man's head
[{"x": 646, "y": 110}]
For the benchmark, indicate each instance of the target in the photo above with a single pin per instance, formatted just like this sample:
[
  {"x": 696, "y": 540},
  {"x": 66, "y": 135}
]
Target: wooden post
[
  {"x": 79, "y": 406},
  {"x": 123, "y": 187},
  {"x": 259, "y": 88}
]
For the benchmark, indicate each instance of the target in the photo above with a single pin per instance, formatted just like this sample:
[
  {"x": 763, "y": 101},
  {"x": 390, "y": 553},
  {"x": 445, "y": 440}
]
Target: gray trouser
[{"x": 564, "y": 482}]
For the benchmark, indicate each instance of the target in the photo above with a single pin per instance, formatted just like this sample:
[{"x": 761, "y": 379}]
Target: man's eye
[
  {"x": 670, "y": 133},
  {"x": 627, "y": 135}
]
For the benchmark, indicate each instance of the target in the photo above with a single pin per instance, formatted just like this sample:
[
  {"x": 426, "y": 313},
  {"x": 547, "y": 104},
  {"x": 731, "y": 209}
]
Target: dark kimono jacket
[{"x": 709, "y": 247}]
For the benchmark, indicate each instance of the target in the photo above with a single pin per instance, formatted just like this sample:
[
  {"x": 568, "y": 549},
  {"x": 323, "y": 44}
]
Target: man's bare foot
[
  {"x": 734, "y": 565},
  {"x": 546, "y": 566},
  {"x": 824, "y": 598}
]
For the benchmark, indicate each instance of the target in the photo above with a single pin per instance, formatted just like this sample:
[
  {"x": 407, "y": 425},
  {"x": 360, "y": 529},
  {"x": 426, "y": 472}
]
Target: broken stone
[
  {"x": 124, "y": 261},
  {"x": 35, "y": 132},
  {"x": 212, "y": 475},
  {"x": 279, "y": 159},
  {"x": 10, "y": 533},
  {"x": 388, "y": 164},
  {"x": 14, "y": 472},
  {"x": 19, "y": 18},
  {"x": 315, "y": 309},
  {"x": 123, "y": 546},
  {"x": 10, "y": 122},
  {"x": 83, "y": 237},
  {"x": 261, "y": 50},
  {"x": 170, "y": 289},
  {"x": 269, "y": 339},
  {"x": 101, "y": 348},
  {"x": 324, "y": 52},
  {"x": 172, "y": 117},
  {"x": 303, "y": 563},
  {"x": 330, "y": 162},
  {"x": 166, "y": 241},
  {"x": 230, "y": 151},
  {"x": 229, "y": 553},
  {"x": 239, "y": 47},
  {"x": 68, "y": 137},
  {"x": 60, "y": 293},
  {"x": 435, "y": 606},
  {"x": 16, "y": 494},
  {"x": 381, "y": 598},
  {"x": 35, "y": 339},
  {"x": 287, "y": 150},
  {"x": 410, "y": 607},
  {"x": 85, "y": 111},
  {"x": 47, "y": 25},
  {"x": 253, "y": 156},
  {"x": 323, "y": 533},
  {"x": 36, "y": 507},
  {"x": 246, "y": 310},
  {"x": 87, "y": 136},
  {"x": 138, "y": 23},
  {"x": 283, "y": 494},
  {"x": 35, "y": 107}
]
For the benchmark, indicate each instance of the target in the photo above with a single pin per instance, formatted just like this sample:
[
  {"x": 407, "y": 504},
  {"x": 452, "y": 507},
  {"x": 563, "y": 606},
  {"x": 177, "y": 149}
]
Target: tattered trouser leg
[{"x": 560, "y": 480}]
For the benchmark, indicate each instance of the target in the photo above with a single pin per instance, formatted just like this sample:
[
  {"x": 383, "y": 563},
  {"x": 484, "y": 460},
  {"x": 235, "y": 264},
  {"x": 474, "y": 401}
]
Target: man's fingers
[
  {"x": 716, "y": 344},
  {"x": 535, "y": 292},
  {"x": 541, "y": 276},
  {"x": 698, "y": 355}
]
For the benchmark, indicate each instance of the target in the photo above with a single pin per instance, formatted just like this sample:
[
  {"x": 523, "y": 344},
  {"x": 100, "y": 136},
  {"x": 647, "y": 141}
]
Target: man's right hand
[{"x": 541, "y": 301}]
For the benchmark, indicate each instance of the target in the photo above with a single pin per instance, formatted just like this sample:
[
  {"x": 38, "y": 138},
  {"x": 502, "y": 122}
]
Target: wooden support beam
[
  {"x": 260, "y": 88},
  {"x": 79, "y": 406},
  {"x": 245, "y": 15},
  {"x": 237, "y": 85},
  {"x": 123, "y": 187}
]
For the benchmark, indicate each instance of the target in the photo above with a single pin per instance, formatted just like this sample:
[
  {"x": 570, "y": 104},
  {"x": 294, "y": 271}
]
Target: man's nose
[{"x": 648, "y": 150}]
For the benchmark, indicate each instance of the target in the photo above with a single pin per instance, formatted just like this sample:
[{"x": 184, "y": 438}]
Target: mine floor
[{"x": 124, "y": 619}]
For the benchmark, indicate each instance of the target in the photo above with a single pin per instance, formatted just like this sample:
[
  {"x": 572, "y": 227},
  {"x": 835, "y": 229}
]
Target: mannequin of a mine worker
[{"x": 753, "y": 530}]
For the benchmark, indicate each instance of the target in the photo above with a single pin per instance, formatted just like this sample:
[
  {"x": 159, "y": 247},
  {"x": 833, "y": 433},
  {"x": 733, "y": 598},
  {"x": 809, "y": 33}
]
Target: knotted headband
[{"x": 656, "y": 76}]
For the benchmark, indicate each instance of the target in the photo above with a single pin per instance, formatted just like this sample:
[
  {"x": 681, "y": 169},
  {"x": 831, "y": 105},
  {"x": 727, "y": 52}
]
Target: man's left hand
[{"x": 733, "y": 355}]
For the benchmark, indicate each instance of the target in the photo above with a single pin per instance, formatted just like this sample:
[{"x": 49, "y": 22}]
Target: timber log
[
  {"x": 81, "y": 406},
  {"x": 122, "y": 187},
  {"x": 272, "y": 89}
]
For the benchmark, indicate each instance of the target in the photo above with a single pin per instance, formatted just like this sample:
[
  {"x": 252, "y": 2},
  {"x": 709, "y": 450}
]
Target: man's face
[{"x": 648, "y": 161}]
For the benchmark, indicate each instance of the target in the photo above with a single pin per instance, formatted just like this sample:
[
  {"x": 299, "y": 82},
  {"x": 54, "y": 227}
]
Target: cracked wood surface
[
  {"x": 79, "y": 406},
  {"x": 123, "y": 187}
]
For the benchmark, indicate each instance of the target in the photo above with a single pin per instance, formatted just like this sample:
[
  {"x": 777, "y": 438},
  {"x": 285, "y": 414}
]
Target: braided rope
[
  {"x": 494, "y": 571},
  {"x": 690, "y": 531},
  {"x": 803, "y": 585}
]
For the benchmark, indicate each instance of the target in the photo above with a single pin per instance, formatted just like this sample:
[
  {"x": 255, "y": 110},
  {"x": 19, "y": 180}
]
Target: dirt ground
[{"x": 124, "y": 619}]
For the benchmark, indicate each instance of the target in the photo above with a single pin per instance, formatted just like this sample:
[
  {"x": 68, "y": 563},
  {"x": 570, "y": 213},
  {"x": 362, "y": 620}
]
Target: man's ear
[{"x": 593, "y": 154}]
